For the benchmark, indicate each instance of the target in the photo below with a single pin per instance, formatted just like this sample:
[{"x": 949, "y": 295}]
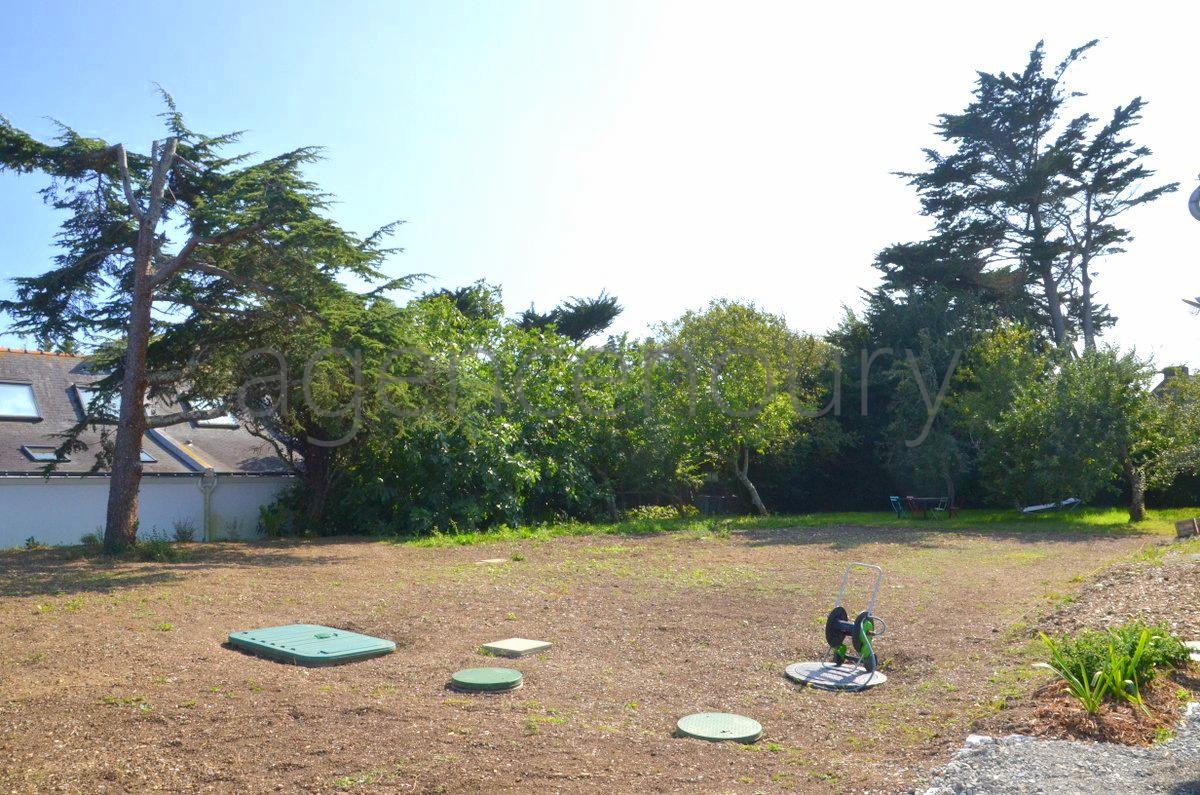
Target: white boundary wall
[{"x": 59, "y": 510}]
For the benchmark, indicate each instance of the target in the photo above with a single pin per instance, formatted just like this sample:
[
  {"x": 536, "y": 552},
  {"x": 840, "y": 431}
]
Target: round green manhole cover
[
  {"x": 718, "y": 726},
  {"x": 486, "y": 680}
]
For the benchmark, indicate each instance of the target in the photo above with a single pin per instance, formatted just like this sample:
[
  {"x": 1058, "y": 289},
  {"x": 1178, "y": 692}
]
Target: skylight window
[
  {"x": 146, "y": 458},
  {"x": 95, "y": 406},
  {"x": 16, "y": 402},
  {"x": 222, "y": 421},
  {"x": 42, "y": 453}
]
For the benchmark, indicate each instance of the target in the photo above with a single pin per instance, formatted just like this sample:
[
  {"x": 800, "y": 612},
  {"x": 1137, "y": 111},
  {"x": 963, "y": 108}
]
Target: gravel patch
[
  {"x": 1017, "y": 765},
  {"x": 1160, "y": 589}
]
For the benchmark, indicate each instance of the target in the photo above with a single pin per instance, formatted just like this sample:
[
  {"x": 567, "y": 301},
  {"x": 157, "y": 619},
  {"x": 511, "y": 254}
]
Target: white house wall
[{"x": 61, "y": 509}]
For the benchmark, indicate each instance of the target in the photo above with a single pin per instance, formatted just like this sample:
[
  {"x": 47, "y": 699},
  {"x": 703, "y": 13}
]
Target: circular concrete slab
[
  {"x": 720, "y": 726},
  {"x": 827, "y": 676},
  {"x": 486, "y": 680}
]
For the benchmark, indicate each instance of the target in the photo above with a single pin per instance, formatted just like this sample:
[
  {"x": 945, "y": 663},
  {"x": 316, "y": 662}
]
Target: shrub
[
  {"x": 157, "y": 548},
  {"x": 184, "y": 532},
  {"x": 1116, "y": 663},
  {"x": 92, "y": 542},
  {"x": 652, "y": 513},
  {"x": 33, "y": 543},
  {"x": 1090, "y": 648}
]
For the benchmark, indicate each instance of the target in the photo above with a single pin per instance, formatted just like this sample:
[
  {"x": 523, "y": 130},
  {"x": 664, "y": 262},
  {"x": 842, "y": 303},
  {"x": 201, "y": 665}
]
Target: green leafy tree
[
  {"x": 1090, "y": 421},
  {"x": 1026, "y": 197},
  {"x": 150, "y": 241},
  {"x": 1105, "y": 179},
  {"x": 731, "y": 383},
  {"x": 576, "y": 318}
]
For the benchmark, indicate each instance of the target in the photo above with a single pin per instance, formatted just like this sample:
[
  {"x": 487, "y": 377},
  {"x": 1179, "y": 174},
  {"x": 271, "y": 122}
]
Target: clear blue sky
[{"x": 668, "y": 152}]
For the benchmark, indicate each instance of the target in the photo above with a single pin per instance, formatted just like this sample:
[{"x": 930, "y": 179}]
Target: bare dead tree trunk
[{"x": 742, "y": 471}]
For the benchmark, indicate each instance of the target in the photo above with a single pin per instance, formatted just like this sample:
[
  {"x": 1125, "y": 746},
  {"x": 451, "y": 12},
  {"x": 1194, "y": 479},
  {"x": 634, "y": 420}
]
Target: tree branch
[
  {"x": 123, "y": 167},
  {"x": 183, "y": 161},
  {"x": 191, "y": 415},
  {"x": 180, "y": 260}
]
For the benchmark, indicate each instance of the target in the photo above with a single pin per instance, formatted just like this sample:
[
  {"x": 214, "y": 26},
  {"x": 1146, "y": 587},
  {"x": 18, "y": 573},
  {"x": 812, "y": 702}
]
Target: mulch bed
[
  {"x": 1164, "y": 588},
  {"x": 1057, "y": 715}
]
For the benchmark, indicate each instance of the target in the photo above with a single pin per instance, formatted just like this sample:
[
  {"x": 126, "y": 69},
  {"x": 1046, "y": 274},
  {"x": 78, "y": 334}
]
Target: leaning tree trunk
[
  {"x": 1137, "y": 491},
  {"x": 742, "y": 471},
  {"x": 1054, "y": 305},
  {"x": 1089, "y": 327}
]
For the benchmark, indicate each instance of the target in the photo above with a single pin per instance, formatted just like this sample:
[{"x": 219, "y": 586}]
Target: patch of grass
[
  {"x": 156, "y": 549},
  {"x": 127, "y": 701},
  {"x": 164, "y": 626},
  {"x": 1092, "y": 520},
  {"x": 365, "y": 778}
]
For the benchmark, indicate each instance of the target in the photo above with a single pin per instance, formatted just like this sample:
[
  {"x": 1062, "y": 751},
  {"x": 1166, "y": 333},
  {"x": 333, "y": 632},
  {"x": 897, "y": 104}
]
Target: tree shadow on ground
[
  {"x": 67, "y": 571},
  {"x": 843, "y": 537}
]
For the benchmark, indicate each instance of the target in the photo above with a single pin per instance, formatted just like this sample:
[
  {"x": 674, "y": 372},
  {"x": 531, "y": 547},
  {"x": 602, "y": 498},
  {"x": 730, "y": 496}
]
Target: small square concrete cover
[{"x": 516, "y": 647}]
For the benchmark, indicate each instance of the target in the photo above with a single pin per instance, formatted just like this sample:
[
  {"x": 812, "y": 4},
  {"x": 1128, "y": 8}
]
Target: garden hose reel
[{"x": 842, "y": 634}]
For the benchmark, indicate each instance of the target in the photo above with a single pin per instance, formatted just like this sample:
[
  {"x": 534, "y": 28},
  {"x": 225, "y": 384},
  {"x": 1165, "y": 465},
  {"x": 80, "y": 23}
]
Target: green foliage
[
  {"x": 1072, "y": 431},
  {"x": 1089, "y": 687},
  {"x": 157, "y": 548},
  {"x": 577, "y": 318},
  {"x": 730, "y": 383},
  {"x": 1114, "y": 664},
  {"x": 659, "y": 512},
  {"x": 183, "y": 532}
]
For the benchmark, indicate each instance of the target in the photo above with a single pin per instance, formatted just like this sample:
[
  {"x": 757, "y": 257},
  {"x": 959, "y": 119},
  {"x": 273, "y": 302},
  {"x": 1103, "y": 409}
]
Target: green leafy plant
[
  {"x": 651, "y": 513},
  {"x": 1088, "y": 689},
  {"x": 1163, "y": 651},
  {"x": 157, "y": 548},
  {"x": 1114, "y": 664},
  {"x": 1121, "y": 674},
  {"x": 184, "y": 532}
]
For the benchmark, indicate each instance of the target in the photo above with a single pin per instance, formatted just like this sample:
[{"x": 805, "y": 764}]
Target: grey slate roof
[{"x": 179, "y": 449}]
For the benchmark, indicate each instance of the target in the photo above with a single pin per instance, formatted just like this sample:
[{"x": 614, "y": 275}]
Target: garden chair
[{"x": 898, "y": 507}]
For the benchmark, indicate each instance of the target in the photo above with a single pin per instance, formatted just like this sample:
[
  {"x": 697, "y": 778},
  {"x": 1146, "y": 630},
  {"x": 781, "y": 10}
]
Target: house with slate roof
[{"x": 210, "y": 475}]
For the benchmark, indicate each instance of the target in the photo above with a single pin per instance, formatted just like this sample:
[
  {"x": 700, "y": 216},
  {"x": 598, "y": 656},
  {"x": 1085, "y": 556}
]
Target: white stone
[
  {"x": 490, "y": 561},
  {"x": 978, "y": 739},
  {"x": 516, "y": 647}
]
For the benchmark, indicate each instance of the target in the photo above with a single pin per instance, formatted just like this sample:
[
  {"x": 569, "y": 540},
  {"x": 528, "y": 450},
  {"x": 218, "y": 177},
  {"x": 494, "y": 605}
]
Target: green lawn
[{"x": 1105, "y": 520}]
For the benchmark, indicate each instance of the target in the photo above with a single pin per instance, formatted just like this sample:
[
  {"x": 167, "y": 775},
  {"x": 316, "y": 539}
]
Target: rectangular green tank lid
[{"x": 310, "y": 644}]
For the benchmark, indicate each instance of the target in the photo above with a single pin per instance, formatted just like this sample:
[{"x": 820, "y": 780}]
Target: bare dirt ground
[{"x": 113, "y": 677}]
